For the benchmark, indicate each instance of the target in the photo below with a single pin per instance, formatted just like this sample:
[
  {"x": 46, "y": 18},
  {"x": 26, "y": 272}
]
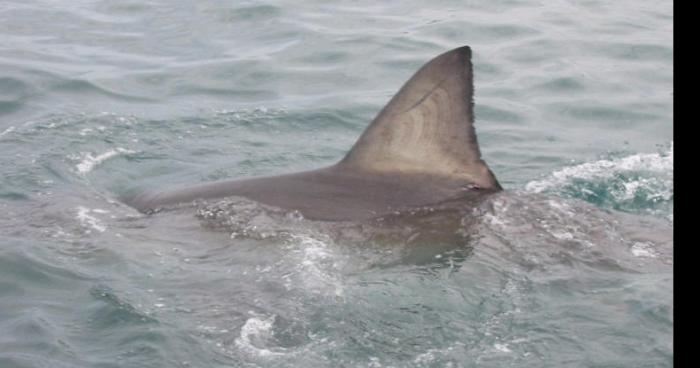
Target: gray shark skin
[{"x": 421, "y": 150}]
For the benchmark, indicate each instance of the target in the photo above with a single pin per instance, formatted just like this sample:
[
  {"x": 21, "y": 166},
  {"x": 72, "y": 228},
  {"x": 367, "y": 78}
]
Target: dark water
[{"x": 571, "y": 266}]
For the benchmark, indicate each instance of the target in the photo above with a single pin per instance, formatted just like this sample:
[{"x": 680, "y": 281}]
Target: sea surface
[{"x": 570, "y": 266}]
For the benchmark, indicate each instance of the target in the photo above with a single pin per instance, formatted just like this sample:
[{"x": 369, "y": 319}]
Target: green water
[{"x": 571, "y": 266}]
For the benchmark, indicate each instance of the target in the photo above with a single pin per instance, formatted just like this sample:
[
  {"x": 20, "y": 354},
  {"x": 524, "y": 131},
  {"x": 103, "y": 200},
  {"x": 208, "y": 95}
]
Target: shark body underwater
[{"x": 421, "y": 150}]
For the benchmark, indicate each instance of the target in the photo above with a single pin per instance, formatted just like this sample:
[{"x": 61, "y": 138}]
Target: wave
[{"x": 638, "y": 183}]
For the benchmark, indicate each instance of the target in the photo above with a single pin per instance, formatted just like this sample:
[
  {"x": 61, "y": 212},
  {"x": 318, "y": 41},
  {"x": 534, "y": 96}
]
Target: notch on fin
[{"x": 428, "y": 126}]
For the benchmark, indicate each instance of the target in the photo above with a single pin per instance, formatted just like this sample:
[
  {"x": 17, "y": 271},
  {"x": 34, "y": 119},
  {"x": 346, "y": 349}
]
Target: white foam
[
  {"x": 561, "y": 207},
  {"x": 258, "y": 329},
  {"x": 428, "y": 357},
  {"x": 85, "y": 131},
  {"x": 7, "y": 131},
  {"x": 374, "y": 363},
  {"x": 425, "y": 358},
  {"x": 89, "y": 161},
  {"x": 89, "y": 221},
  {"x": 502, "y": 348},
  {"x": 431, "y": 356},
  {"x": 562, "y": 235},
  {"x": 497, "y": 219},
  {"x": 645, "y": 250},
  {"x": 606, "y": 169},
  {"x": 317, "y": 265}
]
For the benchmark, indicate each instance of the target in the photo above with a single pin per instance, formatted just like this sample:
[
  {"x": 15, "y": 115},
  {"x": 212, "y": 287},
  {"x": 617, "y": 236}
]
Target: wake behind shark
[{"x": 421, "y": 150}]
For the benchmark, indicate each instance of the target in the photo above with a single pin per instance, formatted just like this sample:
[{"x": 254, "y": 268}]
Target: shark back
[{"x": 421, "y": 149}]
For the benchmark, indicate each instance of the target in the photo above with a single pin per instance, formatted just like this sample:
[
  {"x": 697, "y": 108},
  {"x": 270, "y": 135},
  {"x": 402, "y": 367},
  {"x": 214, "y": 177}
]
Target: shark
[{"x": 421, "y": 150}]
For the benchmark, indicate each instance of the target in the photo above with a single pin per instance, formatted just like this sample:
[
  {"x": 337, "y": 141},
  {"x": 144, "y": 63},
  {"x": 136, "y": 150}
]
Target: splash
[
  {"x": 89, "y": 221},
  {"x": 318, "y": 267},
  {"x": 7, "y": 131},
  {"x": 257, "y": 331},
  {"x": 89, "y": 162},
  {"x": 640, "y": 183}
]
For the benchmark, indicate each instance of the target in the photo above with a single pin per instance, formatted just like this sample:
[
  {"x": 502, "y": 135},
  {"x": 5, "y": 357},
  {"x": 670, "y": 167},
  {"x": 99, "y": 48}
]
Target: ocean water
[{"x": 570, "y": 266}]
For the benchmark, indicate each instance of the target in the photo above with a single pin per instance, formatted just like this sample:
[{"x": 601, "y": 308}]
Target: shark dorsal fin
[{"x": 428, "y": 126}]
